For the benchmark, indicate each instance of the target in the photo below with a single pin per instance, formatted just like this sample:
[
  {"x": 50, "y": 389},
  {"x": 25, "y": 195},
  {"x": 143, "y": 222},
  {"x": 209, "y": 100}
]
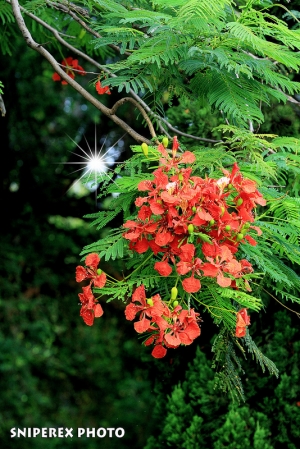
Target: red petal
[
  {"x": 144, "y": 212},
  {"x": 251, "y": 240},
  {"x": 187, "y": 158},
  {"x": 248, "y": 186},
  {"x": 130, "y": 311},
  {"x": 88, "y": 316},
  {"x": 56, "y": 77},
  {"x": 139, "y": 294},
  {"x": 163, "y": 238},
  {"x": 187, "y": 252},
  {"x": 141, "y": 246},
  {"x": 240, "y": 331},
  {"x": 193, "y": 330},
  {"x": 209, "y": 270},
  {"x": 163, "y": 268},
  {"x": 156, "y": 208},
  {"x": 100, "y": 280},
  {"x": 92, "y": 260},
  {"x": 81, "y": 274},
  {"x": 191, "y": 285},
  {"x": 223, "y": 281},
  {"x": 98, "y": 311},
  {"x": 159, "y": 352},
  {"x": 204, "y": 215},
  {"x": 183, "y": 267},
  {"x": 172, "y": 340},
  {"x": 142, "y": 325}
]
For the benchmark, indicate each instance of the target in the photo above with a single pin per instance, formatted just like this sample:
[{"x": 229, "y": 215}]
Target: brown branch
[
  {"x": 134, "y": 95},
  {"x": 139, "y": 107},
  {"x": 142, "y": 104},
  {"x": 2, "y": 106},
  {"x": 48, "y": 56},
  {"x": 67, "y": 10}
]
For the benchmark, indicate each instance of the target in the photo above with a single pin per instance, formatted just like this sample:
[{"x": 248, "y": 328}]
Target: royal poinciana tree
[{"x": 209, "y": 225}]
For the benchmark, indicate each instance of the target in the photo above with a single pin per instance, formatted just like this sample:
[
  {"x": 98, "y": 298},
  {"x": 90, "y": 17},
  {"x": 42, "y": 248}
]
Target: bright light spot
[
  {"x": 97, "y": 165},
  {"x": 14, "y": 187}
]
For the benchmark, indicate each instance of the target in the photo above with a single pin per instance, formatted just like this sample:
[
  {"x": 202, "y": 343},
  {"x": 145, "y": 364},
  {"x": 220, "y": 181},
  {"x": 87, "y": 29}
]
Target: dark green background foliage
[{"x": 56, "y": 371}]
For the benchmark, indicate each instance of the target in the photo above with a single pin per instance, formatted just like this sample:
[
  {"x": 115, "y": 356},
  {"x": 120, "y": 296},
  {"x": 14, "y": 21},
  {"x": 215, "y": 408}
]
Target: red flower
[
  {"x": 91, "y": 272},
  {"x": 102, "y": 90},
  {"x": 70, "y": 66},
  {"x": 154, "y": 307},
  {"x": 242, "y": 321},
  {"x": 90, "y": 309},
  {"x": 191, "y": 285}
]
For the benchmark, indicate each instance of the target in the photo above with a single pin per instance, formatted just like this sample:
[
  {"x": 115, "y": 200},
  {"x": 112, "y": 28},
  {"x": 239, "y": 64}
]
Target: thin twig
[
  {"x": 48, "y": 56},
  {"x": 103, "y": 68},
  {"x": 2, "y": 106},
  {"x": 139, "y": 107},
  {"x": 81, "y": 22}
]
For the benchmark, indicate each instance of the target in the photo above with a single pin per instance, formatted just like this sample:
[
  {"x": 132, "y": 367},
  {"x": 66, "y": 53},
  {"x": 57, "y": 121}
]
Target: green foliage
[
  {"x": 220, "y": 61},
  {"x": 195, "y": 415}
]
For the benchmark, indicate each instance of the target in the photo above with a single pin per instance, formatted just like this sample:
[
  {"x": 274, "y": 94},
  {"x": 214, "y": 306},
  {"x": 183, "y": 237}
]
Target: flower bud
[
  {"x": 204, "y": 237},
  {"x": 180, "y": 177},
  {"x": 212, "y": 222},
  {"x": 145, "y": 148},
  {"x": 175, "y": 146},
  {"x": 239, "y": 237},
  {"x": 227, "y": 228},
  {"x": 239, "y": 202},
  {"x": 194, "y": 209},
  {"x": 150, "y": 302},
  {"x": 165, "y": 142},
  {"x": 222, "y": 211},
  {"x": 175, "y": 303},
  {"x": 190, "y": 228},
  {"x": 247, "y": 225},
  {"x": 174, "y": 293},
  {"x": 99, "y": 271}
]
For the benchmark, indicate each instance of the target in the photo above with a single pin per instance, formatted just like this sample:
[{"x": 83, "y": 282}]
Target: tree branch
[
  {"x": 2, "y": 106},
  {"x": 48, "y": 56},
  {"x": 138, "y": 100},
  {"x": 139, "y": 107},
  {"x": 67, "y": 10}
]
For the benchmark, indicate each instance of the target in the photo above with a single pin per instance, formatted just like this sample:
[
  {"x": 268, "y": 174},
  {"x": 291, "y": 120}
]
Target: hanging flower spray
[{"x": 190, "y": 229}]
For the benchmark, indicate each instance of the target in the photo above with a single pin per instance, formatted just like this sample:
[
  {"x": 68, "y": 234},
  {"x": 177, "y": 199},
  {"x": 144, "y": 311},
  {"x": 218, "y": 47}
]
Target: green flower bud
[
  {"x": 190, "y": 228},
  {"x": 175, "y": 303},
  {"x": 247, "y": 225},
  {"x": 227, "y": 228},
  {"x": 212, "y": 222},
  {"x": 165, "y": 142},
  {"x": 180, "y": 177},
  {"x": 239, "y": 202},
  {"x": 222, "y": 211},
  {"x": 99, "y": 271},
  {"x": 150, "y": 302},
  {"x": 194, "y": 209},
  {"x": 174, "y": 293},
  {"x": 145, "y": 148},
  {"x": 239, "y": 237},
  {"x": 230, "y": 186},
  {"x": 204, "y": 237}
]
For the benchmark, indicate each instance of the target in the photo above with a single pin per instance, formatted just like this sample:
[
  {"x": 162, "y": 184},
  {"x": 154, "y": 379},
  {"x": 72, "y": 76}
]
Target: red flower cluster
[
  {"x": 102, "y": 90},
  {"x": 69, "y": 65},
  {"x": 90, "y": 309},
  {"x": 168, "y": 328},
  {"x": 242, "y": 321},
  {"x": 195, "y": 224}
]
